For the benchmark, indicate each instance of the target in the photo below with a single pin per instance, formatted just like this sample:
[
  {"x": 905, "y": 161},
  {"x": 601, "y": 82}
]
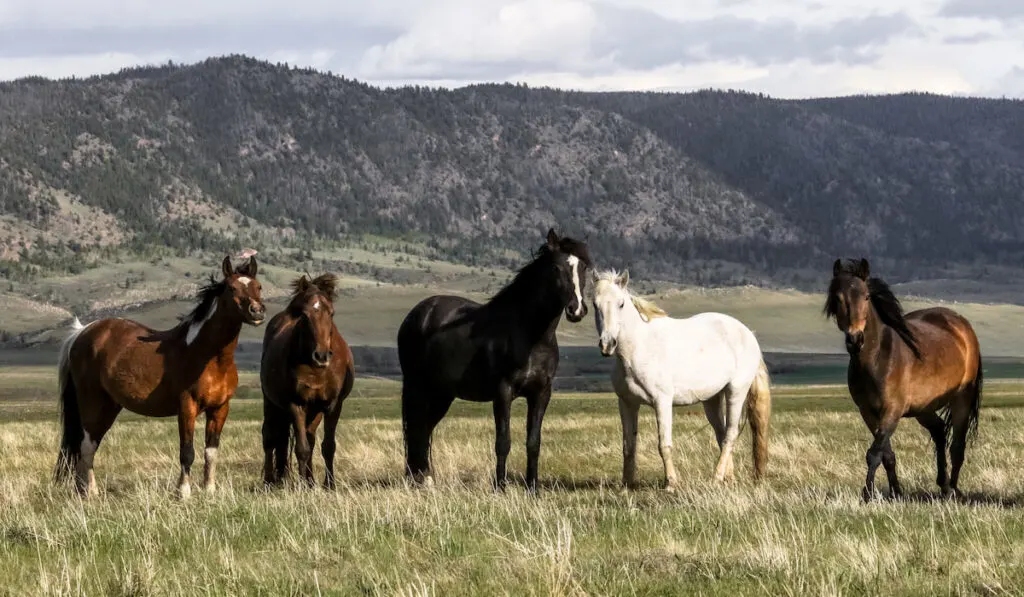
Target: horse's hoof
[
  {"x": 867, "y": 495},
  {"x": 670, "y": 488},
  {"x": 184, "y": 492}
]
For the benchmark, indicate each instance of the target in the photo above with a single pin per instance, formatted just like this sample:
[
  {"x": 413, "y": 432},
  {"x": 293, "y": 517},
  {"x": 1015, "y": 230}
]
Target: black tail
[
  {"x": 71, "y": 434},
  {"x": 974, "y": 406},
  {"x": 979, "y": 381}
]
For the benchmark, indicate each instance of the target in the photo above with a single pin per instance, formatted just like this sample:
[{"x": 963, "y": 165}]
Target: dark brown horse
[
  {"x": 307, "y": 372},
  {"x": 914, "y": 365},
  {"x": 114, "y": 363}
]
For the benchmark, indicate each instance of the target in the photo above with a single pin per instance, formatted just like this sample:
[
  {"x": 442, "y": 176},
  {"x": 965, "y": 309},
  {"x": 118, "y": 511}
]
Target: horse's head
[
  {"x": 571, "y": 261},
  {"x": 849, "y": 300},
  {"x": 610, "y": 298},
  {"x": 313, "y": 303},
  {"x": 242, "y": 291}
]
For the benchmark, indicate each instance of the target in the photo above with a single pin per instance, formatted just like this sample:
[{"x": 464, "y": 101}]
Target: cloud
[
  {"x": 790, "y": 48},
  {"x": 998, "y": 10},
  {"x": 639, "y": 39}
]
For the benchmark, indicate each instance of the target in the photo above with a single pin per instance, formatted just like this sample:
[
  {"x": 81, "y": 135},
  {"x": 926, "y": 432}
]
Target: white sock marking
[
  {"x": 574, "y": 263},
  {"x": 193, "y": 329}
]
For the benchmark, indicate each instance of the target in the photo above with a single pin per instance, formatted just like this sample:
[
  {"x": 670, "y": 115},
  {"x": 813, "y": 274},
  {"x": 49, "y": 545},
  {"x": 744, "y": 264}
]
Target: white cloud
[{"x": 789, "y": 48}]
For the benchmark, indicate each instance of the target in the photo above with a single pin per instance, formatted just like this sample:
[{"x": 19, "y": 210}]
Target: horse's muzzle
[
  {"x": 607, "y": 348},
  {"x": 854, "y": 342},
  {"x": 322, "y": 359},
  {"x": 570, "y": 313},
  {"x": 257, "y": 313}
]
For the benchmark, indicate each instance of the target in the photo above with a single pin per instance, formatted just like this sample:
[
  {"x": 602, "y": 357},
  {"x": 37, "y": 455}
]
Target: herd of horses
[{"x": 925, "y": 365}]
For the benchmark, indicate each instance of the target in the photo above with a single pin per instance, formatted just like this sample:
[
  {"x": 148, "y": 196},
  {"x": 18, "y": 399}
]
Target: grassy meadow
[{"x": 803, "y": 531}]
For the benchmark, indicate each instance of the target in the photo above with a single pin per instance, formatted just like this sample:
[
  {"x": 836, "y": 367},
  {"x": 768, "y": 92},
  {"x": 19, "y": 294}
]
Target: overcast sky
[{"x": 787, "y": 48}]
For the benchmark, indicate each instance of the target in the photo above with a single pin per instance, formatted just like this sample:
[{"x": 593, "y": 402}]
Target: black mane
[
  {"x": 206, "y": 296},
  {"x": 527, "y": 285},
  {"x": 890, "y": 311}
]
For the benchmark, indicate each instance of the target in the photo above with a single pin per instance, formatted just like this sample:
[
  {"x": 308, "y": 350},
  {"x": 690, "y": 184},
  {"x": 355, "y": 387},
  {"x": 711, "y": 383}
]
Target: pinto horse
[
  {"x": 115, "y": 363},
  {"x": 306, "y": 373},
  {"x": 451, "y": 347},
  {"x": 916, "y": 365}
]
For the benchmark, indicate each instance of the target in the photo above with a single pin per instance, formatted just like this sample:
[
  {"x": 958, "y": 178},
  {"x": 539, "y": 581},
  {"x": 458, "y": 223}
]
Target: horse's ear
[
  {"x": 863, "y": 271},
  {"x": 553, "y": 239},
  {"x": 623, "y": 279},
  {"x": 837, "y": 267},
  {"x": 249, "y": 269},
  {"x": 226, "y": 268}
]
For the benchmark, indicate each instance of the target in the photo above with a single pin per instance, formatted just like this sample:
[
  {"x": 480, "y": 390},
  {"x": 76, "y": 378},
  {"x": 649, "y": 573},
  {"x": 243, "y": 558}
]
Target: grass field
[{"x": 803, "y": 531}]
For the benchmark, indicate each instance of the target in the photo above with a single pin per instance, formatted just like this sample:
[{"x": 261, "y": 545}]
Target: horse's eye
[{"x": 622, "y": 304}]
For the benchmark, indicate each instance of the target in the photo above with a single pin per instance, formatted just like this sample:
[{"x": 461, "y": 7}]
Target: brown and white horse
[
  {"x": 306, "y": 373},
  {"x": 115, "y": 363}
]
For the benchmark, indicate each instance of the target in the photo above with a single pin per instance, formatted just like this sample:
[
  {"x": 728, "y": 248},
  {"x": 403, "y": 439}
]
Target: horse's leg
[
  {"x": 96, "y": 421},
  {"x": 715, "y": 412},
  {"x": 629, "y": 412},
  {"x": 889, "y": 462},
  {"x": 187, "y": 412},
  {"x": 536, "y": 407},
  {"x": 303, "y": 449},
  {"x": 330, "y": 441},
  {"x": 937, "y": 428},
  {"x": 663, "y": 413},
  {"x": 275, "y": 423},
  {"x": 734, "y": 399},
  {"x": 215, "y": 418},
  {"x": 311, "y": 426},
  {"x": 881, "y": 452},
  {"x": 422, "y": 410},
  {"x": 502, "y": 437},
  {"x": 960, "y": 420}
]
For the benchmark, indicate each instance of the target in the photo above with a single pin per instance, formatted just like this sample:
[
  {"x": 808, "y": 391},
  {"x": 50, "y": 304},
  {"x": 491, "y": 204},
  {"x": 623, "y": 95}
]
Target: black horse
[{"x": 452, "y": 347}]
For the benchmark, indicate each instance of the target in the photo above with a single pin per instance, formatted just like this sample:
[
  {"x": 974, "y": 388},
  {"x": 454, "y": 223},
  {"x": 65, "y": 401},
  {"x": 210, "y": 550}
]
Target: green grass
[{"x": 803, "y": 531}]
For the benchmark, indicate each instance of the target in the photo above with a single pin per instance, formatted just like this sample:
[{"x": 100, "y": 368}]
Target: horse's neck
[
  {"x": 538, "y": 317},
  {"x": 632, "y": 332},
  {"x": 217, "y": 337},
  {"x": 874, "y": 332}
]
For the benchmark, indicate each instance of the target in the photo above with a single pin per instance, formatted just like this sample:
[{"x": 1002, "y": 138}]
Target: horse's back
[
  {"x": 935, "y": 328},
  {"x": 426, "y": 319}
]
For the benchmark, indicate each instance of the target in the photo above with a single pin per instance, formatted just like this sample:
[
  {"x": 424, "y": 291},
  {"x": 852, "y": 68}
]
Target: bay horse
[
  {"x": 116, "y": 363},
  {"x": 918, "y": 364},
  {"x": 451, "y": 347},
  {"x": 663, "y": 362},
  {"x": 306, "y": 372}
]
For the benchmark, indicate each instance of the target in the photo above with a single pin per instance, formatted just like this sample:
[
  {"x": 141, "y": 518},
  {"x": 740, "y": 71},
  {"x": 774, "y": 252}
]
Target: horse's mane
[
  {"x": 325, "y": 284},
  {"x": 524, "y": 285},
  {"x": 206, "y": 296},
  {"x": 888, "y": 307},
  {"x": 647, "y": 309}
]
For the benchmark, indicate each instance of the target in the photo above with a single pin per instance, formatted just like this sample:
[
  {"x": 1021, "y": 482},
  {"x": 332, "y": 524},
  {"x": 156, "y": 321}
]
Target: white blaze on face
[
  {"x": 194, "y": 327},
  {"x": 316, "y": 305},
  {"x": 244, "y": 280},
  {"x": 574, "y": 263}
]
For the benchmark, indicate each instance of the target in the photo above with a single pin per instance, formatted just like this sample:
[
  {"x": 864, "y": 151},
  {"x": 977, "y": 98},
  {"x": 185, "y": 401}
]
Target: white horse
[{"x": 710, "y": 358}]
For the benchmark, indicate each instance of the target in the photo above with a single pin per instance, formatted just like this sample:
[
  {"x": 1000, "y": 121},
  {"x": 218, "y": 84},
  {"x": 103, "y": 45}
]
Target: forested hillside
[{"x": 715, "y": 187}]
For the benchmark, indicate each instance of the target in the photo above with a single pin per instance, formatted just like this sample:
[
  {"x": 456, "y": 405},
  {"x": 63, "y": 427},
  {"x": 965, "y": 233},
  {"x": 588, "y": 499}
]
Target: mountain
[{"x": 713, "y": 187}]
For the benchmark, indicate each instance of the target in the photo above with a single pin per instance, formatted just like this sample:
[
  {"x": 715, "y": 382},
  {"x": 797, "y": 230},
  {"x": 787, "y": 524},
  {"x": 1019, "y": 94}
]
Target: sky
[{"x": 784, "y": 48}]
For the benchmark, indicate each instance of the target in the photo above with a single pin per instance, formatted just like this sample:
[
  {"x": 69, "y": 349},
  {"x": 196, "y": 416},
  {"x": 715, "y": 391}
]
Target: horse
[
  {"x": 451, "y": 347},
  {"x": 663, "y": 362},
  {"x": 306, "y": 372},
  {"x": 916, "y": 365},
  {"x": 114, "y": 363}
]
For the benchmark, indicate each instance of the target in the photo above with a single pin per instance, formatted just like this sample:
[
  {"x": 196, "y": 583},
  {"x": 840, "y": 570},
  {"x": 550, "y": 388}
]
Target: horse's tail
[
  {"x": 759, "y": 410},
  {"x": 70, "y": 418},
  {"x": 974, "y": 408}
]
